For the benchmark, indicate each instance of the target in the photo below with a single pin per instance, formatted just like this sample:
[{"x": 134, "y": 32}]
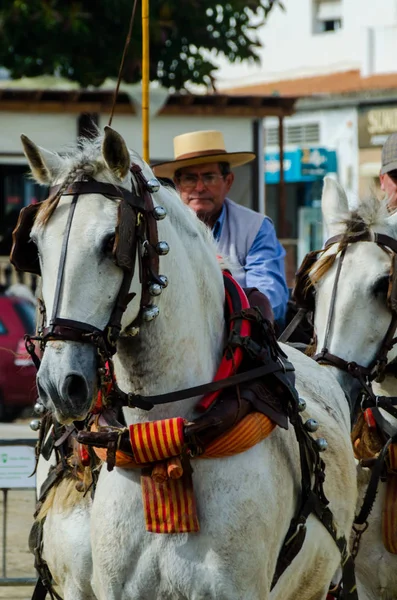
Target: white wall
[
  {"x": 338, "y": 131},
  {"x": 291, "y": 49},
  {"x": 237, "y": 132},
  {"x": 52, "y": 131},
  {"x": 58, "y": 131}
]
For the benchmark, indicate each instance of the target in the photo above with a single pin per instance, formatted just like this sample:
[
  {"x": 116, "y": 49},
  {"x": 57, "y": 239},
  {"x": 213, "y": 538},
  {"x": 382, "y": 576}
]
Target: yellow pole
[{"x": 145, "y": 80}]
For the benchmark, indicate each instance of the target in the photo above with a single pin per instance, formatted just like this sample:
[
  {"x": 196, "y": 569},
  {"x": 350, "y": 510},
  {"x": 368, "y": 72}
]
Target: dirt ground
[
  {"x": 19, "y": 561},
  {"x": 20, "y": 509}
]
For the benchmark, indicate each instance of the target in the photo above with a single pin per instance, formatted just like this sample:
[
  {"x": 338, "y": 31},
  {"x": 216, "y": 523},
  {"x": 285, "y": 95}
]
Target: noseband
[
  {"x": 377, "y": 367},
  {"x": 136, "y": 236}
]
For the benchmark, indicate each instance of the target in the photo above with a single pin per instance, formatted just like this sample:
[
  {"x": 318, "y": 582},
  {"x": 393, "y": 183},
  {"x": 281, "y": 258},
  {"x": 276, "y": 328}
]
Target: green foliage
[{"x": 83, "y": 40}]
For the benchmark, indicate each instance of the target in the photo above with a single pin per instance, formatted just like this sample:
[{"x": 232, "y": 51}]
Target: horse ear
[
  {"x": 115, "y": 153},
  {"x": 334, "y": 206},
  {"x": 43, "y": 164}
]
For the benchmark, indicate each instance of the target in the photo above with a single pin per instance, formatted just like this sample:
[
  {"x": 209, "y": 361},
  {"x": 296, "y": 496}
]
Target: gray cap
[{"x": 389, "y": 154}]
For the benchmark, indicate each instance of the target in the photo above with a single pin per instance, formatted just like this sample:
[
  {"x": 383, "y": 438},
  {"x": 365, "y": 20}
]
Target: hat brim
[
  {"x": 235, "y": 159},
  {"x": 389, "y": 167}
]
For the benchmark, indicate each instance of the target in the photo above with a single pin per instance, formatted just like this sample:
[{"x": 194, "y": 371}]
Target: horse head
[
  {"x": 355, "y": 318},
  {"x": 100, "y": 241},
  {"x": 89, "y": 235}
]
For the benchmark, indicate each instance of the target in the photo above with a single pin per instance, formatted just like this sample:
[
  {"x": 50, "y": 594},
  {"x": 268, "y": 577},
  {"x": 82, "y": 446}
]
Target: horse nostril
[
  {"x": 41, "y": 391},
  {"x": 75, "y": 388}
]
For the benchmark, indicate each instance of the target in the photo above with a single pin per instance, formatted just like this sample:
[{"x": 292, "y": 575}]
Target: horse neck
[{"x": 183, "y": 346}]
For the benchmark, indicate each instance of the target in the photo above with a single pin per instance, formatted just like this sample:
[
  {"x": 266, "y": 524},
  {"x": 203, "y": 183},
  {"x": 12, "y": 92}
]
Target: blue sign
[{"x": 303, "y": 164}]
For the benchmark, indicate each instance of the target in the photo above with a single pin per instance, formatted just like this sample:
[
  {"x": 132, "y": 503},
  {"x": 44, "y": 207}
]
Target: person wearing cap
[
  {"x": 202, "y": 172},
  {"x": 388, "y": 172}
]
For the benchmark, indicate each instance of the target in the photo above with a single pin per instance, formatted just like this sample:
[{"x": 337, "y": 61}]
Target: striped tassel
[
  {"x": 156, "y": 440},
  {"x": 171, "y": 506}
]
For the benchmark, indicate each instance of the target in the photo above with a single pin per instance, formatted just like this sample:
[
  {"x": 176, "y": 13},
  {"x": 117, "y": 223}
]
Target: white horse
[
  {"x": 245, "y": 502},
  {"x": 358, "y": 325}
]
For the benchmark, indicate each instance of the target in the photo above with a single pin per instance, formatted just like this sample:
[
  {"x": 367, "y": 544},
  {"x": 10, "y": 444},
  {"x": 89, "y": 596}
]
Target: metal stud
[
  {"x": 164, "y": 280},
  {"x": 35, "y": 425},
  {"x": 159, "y": 213},
  {"x": 311, "y": 425},
  {"x": 152, "y": 185},
  {"x": 301, "y": 404},
  {"x": 162, "y": 248},
  {"x": 155, "y": 289},
  {"x": 150, "y": 312},
  {"x": 322, "y": 444},
  {"x": 39, "y": 409}
]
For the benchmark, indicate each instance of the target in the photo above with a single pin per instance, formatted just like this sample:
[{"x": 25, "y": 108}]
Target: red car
[{"x": 17, "y": 372}]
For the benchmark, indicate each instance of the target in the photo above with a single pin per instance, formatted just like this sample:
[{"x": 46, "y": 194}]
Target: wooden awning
[{"x": 100, "y": 101}]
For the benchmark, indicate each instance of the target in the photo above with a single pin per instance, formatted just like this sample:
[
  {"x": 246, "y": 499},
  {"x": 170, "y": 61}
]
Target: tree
[{"x": 83, "y": 40}]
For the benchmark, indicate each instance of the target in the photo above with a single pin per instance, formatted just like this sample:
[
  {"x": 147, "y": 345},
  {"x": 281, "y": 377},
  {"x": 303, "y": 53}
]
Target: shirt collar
[{"x": 217, "y": 228}]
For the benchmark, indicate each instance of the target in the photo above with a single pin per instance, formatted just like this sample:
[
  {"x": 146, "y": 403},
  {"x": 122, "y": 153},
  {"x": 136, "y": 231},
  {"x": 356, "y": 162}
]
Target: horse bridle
[
  {"x": 377, "y": 366},
  {"x": 136, "y": 236}
]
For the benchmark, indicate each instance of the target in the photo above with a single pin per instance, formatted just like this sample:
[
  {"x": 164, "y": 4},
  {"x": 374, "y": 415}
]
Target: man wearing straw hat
[{"x": 202, "y": 173}]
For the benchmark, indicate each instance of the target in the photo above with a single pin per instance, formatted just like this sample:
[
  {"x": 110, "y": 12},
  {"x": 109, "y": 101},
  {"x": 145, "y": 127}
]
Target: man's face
[
  {"x": 388, "y": 183},
  {"x": 204, "y": 188}
]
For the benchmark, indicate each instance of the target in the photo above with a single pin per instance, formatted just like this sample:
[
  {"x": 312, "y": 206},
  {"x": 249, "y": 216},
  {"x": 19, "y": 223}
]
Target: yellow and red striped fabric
[
  {"x": 156, "y": 440},
  {"x": 254, "y": 428},
  {"x": 170, "y": 507}
]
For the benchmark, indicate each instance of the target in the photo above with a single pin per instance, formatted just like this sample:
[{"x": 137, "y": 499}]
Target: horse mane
[{"x": 370, "y": 214}]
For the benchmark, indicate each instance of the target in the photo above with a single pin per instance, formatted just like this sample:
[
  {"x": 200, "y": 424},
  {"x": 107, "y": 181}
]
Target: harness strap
[
  {"x": 44, "y": 584},
  {"x": 148, "y": 402},
  {"x": 372, "y": 488},
  {"x": 289, "y": 330}
]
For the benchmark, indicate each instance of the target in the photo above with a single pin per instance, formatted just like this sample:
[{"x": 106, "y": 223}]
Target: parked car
[{"x": 17, "y": 371}]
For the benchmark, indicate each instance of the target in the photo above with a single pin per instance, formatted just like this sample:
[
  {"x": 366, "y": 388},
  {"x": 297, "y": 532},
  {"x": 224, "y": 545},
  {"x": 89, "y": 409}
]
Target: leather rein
[
  {"x": 136, "y": 238},
  {"x": 376, "y": 368}
]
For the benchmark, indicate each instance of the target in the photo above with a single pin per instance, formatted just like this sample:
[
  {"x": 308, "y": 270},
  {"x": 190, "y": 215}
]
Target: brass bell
[
  {"x": 39, "y": 409},
  {"x": 150, "y": 312},
  {"x": 162, "y": 248},
  {"x": 35, "y": 425},
  {"x": 153, "y": 185},
  {"x": 164, "y": 280},
  {"x": 301, "y": 404},
  {"x": 159, "y": 213},
  {"x": 311, "y": 425},
  {"x": 155, "y": 289},
  {"x": 322, "y": 444}
]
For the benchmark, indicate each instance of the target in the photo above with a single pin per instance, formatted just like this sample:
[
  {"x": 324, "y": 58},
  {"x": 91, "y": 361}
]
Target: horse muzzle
[{"x": 67, "y": 380}]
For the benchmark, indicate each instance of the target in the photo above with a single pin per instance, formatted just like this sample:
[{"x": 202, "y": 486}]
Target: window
[
  {"x": 327, "y": 15},
  {"x": 299, "y": 135}
]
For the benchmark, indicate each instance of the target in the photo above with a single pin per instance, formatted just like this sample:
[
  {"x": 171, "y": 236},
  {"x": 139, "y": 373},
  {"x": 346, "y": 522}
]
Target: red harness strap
[{"x": 235, "y": 300}]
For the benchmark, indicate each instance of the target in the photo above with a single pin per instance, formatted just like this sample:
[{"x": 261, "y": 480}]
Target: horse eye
[
  {"x": 381, "y": 286},
  {"x": 108, "y": 243}
]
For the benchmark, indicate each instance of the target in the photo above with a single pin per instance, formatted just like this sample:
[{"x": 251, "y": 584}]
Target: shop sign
[
  {"x": 314, "y": 161},
  {"x": 17, "y": 463},
  {"x": 303, "y": 164},
  {"x": 375, "y": 125}
]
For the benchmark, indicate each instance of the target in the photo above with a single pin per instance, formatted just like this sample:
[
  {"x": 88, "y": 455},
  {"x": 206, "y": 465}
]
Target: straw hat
[{"x": 200, "y": 147}]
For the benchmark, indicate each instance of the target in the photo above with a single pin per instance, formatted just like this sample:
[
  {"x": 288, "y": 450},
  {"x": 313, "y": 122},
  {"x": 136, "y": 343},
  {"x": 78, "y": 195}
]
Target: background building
[
  {"x": 54, "y": 118},
  {"x": 338, "y": 58}
]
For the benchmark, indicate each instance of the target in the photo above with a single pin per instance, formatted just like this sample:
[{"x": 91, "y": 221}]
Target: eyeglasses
[{"x": 189, "y": 180}]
